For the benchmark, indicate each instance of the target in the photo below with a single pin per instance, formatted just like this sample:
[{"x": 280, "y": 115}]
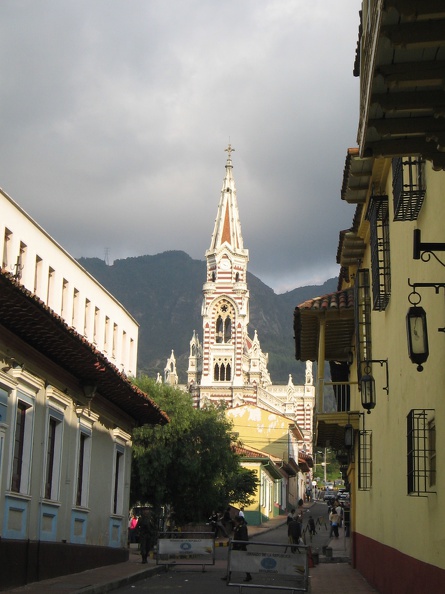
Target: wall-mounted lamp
[
  {"x": 349, "y": 436},
  {"x": 367, "y": 384},
  {"x": 416, "y": 327},
  {"x": 417, "y": 334},
  {"x": 89, "y": 391}
]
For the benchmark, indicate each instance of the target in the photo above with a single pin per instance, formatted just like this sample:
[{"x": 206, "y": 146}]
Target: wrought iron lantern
[
  {"x": 349, "y": 436},
  {"x": 417, "y": 336},
  {"x": 368, "y": 392}
]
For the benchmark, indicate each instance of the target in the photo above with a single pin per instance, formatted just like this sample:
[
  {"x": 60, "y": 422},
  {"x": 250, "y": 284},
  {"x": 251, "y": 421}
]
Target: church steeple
[{"x": 227, "y": 230}]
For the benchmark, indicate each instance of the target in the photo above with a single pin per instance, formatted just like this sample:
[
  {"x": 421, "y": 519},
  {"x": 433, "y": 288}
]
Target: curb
[{"x": 124, "y": 581}]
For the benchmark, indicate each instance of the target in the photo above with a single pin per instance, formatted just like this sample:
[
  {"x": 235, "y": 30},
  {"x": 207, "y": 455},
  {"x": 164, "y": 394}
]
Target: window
[
  {"x": 362, "y": 307},
  {"x": 21, "y": 461},
  {"x": 83, "y": 467},
  {"x": 408, "y": 186},
  {"x": 114, "y": 344},
  {"x": 86, "y": 319},
  {"x": 378, "y": 217},
  {"x": 64, "y": 310},
  {"x": 96, "y": 324},
  {"x": 222, "y": 370},
  {"x": 20, "y": 264},
  {"x": 50, "y": 290},
  {"x": 53, "y": 455},
  {"x": 118, "y": 480},
  {"x": 75, "y": 308},
  {"x": 365, "y": 460},
  {"x": 421, "y": 452},
  {"x": 106, "y": 334},
  {"x": 223, "y": 326},
  {"x": 6, "y": 239},
  {"x": 38, "y": 275}
]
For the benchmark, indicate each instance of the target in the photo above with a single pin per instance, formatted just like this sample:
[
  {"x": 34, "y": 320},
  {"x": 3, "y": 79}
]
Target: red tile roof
[
  {"x": 337, "y": 311},
  {"x": 27, "y": 317}
]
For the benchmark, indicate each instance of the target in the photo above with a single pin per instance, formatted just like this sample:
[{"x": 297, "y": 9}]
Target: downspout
[{"x": 320, "y": 366}]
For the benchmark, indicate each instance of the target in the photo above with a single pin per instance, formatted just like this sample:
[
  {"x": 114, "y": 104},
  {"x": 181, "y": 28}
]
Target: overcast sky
[{"x": 115, "y": 115}]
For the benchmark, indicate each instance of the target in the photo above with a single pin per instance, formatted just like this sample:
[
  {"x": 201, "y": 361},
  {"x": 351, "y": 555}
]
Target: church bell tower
[{"x": 221, "y": 368}]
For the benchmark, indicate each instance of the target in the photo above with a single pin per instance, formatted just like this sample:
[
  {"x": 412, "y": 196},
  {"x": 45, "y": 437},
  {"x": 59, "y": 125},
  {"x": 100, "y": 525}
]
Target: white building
[
  {"x": 66, "y": 409},
  {"x": 49, "y": 272}
]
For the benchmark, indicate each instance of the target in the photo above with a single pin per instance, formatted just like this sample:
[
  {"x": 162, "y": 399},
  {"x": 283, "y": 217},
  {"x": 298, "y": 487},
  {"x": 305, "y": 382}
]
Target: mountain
[{"x": 164, "y": 294}]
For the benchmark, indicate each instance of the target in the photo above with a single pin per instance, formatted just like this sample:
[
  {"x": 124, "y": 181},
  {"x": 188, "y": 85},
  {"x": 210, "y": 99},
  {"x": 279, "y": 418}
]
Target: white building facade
[{"x": 67, "y": 409}]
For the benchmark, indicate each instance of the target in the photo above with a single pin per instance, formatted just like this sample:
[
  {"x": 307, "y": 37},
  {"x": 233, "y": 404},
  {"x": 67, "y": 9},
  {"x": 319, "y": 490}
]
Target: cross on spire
[{"x": 229, "y": 150}]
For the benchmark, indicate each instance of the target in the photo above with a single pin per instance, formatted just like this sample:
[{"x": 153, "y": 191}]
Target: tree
[{"x": 190, "y": 462}]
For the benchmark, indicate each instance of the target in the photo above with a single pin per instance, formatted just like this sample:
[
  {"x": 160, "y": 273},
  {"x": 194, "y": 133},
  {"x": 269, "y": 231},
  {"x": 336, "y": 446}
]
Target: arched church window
[
  {"x": 219, "y": 329},
  {"x": 213, "y": 277},
  {"x": 222, "y": 370},
  {"x": 193, "y": 350},
  {"x": 223, "y": 327},
  {"x": 237, "y": 277},
  {"x": 228, "y": 372},
  {"x": 227, "y": 330}
]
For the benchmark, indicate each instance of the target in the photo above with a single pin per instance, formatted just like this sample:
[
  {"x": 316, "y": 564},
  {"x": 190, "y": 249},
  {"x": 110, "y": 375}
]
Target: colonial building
[
  {"x": 67, "y": 409},
  {"x": 382, "y": 332}
]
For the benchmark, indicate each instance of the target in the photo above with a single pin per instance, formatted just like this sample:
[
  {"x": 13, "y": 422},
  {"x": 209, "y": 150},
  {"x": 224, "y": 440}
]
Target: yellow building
[
  {"x": 269, "y": 444},
  {"x": 383, "y": 359}
]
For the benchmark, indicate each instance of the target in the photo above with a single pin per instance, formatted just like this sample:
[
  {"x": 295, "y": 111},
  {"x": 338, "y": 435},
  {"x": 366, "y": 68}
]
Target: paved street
[{"x": 192, "y": 580}]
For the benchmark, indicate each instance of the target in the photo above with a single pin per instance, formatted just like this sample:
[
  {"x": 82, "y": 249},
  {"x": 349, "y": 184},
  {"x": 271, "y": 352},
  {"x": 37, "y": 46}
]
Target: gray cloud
[{"x": 115, "y": 116}]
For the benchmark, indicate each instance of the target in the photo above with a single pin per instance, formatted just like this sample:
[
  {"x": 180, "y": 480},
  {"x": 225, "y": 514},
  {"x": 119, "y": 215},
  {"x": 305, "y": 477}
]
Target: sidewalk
[{"x": 333, "y": 575}]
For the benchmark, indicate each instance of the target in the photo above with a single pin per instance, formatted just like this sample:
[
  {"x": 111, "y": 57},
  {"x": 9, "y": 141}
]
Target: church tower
[{"x": 228, "y": 366}]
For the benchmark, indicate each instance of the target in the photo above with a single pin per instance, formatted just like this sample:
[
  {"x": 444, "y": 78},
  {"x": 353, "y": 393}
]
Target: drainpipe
[{"x": 320, "y": 366}]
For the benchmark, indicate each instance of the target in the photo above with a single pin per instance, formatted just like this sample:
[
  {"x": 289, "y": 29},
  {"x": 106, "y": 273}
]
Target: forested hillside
[{"x": 164, "y": 294}]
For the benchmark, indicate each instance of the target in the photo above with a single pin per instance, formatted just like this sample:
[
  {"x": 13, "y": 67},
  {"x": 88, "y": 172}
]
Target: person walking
[
  {"x": 294, "y": 533},
  {"x": 240, "y": 533},
  {"x": 334, "y": 519},
  {"x": 147, "y": 534}
]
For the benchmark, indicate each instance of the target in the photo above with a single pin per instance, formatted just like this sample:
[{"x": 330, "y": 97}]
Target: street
[{"x": 192, "y": 580}]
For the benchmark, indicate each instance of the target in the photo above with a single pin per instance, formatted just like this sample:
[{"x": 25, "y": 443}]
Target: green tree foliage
[{"x": 190, "y": 462}]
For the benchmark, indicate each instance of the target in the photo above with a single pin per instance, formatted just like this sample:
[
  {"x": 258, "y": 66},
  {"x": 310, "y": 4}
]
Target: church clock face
[{"x": 225, "y": 264}]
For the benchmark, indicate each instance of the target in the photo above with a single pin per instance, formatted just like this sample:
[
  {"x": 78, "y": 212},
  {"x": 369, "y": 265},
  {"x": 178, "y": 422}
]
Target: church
[{"x": 226, "y": 364}]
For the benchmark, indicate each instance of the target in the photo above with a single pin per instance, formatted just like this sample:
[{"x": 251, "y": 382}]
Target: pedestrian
[
  {"x": 339, "y": 509},
  {"x": 147, "y": 534},
  {"x": 240, "y": 533},
  {"x": 294, "y": 533},
  {"x": 334, "y": 519},
  {"x": 132, "y": 529},
  {"x": 311, "y": 524},
  {"x": 290, "y": 516},
  {"x": 227, "y": 521},
  {"x": 213, "y": 519},
  {"x": 220, "y": 525}
]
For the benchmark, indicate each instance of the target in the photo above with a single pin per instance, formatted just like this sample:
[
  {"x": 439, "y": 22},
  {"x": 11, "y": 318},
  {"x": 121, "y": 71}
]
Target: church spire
[{"x": 227, "y": 230}]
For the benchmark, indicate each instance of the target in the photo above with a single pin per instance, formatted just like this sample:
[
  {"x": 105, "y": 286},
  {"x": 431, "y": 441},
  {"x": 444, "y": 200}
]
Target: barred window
[
  {"x": 421, "y": 452},
  {"x": 378, "y": 216}
]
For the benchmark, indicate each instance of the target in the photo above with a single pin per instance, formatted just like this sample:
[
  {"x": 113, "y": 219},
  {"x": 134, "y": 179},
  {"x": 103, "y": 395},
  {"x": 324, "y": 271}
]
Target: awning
[
  {"x": 401, "y": 63},
  {"x": 337, "y": 309},
  {"x": 330, "y": 431}
]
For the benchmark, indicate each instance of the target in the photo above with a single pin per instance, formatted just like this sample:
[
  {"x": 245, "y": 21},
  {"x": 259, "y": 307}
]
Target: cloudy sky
[{"x": 115, "y": 115}]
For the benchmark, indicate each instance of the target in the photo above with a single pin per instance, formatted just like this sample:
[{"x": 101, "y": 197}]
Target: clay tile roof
[
  {"x": 28, "y": 318},
  {"x": 337, "y": 310}
]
